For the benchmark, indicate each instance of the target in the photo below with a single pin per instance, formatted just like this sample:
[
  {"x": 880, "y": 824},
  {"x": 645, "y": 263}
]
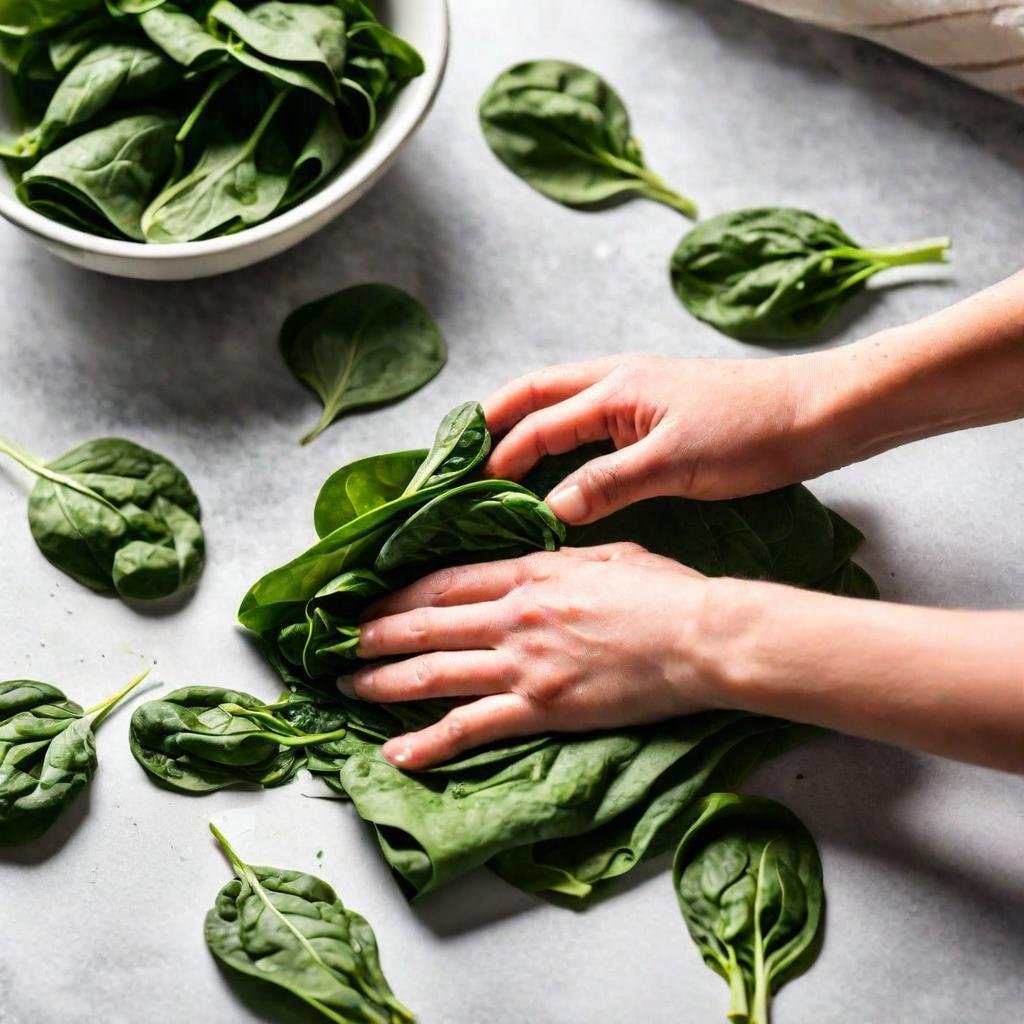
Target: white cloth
[{"x": 981, "y": 41}]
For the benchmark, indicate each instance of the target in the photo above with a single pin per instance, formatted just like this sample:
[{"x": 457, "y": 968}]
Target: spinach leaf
[
  {"x": 47, "y": 754},
  {"x": 486, "y": 518},
  {"x": 104, "y": 76},
  {"x": 199, "y": 739},
  {"x": 182, "y": 38},
  {"x": 101, "y": 181},
  {"x": 116, "y": 517},
  {"x": 564, "y": 130},
  {"x": 361, "y": 347},
  {"x": 309, "y": 35},
  {"x": 461, "y": 445},
  {"x": 778, "y": 275},
  {"x": 24, "y": 17},
  {"x": 240, "y": 179},
  {"x": 290, "y": 929},
  {"x": 748, "y": 877},
  {"x": 363, "y": 486}
]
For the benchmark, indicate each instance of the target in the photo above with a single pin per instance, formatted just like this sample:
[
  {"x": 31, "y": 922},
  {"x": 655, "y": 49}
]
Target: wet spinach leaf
[
  {"x": 47, "y": 754},
  {"x": 116, "y": 517},
  {"x": 564, "y": 130},
  {"x": 778, "y": 275},
  {"x": 361, "y": 347},
  {"x": 749, "y": 882},
  {"x": 290, "y": 929}
]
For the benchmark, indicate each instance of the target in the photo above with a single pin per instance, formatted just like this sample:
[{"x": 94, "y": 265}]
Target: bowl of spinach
[{"x": 174, "y": 139}]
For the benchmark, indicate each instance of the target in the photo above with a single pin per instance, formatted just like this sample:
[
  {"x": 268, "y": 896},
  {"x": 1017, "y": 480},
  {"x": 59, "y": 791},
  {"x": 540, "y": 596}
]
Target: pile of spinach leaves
[
  {"x": 116, "y": 517},
  {"x": 562, "y": 815},
  {"x": 168, "y": 122}
]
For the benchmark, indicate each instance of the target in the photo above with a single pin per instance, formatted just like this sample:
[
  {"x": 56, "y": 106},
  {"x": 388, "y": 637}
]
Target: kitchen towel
[{"x": 980, "y": 41}]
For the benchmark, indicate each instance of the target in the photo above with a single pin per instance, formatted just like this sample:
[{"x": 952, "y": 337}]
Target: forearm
[
  {"x": 949, "y": 682},
  {"x": 961, "y": 367}
]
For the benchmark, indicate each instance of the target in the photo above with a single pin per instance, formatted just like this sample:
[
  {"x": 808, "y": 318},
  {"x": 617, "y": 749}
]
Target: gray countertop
[{"x": 101, "y": 921}]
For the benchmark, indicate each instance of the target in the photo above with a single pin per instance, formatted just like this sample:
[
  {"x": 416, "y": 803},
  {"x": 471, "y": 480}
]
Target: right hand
[{"x": 696, "y": 428}]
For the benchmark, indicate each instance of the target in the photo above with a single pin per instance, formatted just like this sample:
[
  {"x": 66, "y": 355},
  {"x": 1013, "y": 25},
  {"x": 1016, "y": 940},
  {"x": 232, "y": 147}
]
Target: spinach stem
[
  {"x": 654, "y": 187},
  {"x": 100, "y": 711},
  {"x": 927, "y": 250}
]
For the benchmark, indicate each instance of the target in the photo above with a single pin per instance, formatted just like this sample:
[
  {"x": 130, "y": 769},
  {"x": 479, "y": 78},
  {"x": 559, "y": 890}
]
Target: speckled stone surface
[{"x": 101, "y": 921}]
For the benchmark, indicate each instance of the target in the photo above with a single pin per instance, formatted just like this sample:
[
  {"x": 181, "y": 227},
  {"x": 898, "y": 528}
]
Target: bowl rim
[{"x": 398, "y": 126}]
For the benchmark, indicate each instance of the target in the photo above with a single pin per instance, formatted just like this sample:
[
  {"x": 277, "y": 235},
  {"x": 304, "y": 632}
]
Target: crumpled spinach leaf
[
  {"x": 777, "y": 275},
  {"x": 47, "y": 754},
  {"x": 116, "y": 517},
  {"x": 564, "y": 130},
  {"x": 290, "y": 929},
  {"x": 486, "y": 518},
  {"x": 748, "y": 877},
  {"x": 361, "y": 347},
  {"x": 200, "y": 738}
]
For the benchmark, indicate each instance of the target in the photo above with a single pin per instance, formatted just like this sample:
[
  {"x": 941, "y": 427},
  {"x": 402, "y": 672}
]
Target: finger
[
  {"x": 468, "y": 584},
  {"x": 448, "y": 674},
  {"x": 611, "y": 482},
  {"x": 470, "y": 628},
  {"x": 533, "y": 391},
  {"x": 471, "y": 725},
  {"x": 552, "y": 431}
]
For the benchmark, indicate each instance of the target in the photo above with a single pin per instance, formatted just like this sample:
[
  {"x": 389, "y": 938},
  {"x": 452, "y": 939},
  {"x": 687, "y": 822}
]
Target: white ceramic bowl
[{"x": 423, "y": 22}]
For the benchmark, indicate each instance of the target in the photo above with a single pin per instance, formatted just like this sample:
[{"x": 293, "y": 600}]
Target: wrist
[
  {"x": 845, "y": 397},
  {"x": 736, "y": 643}
]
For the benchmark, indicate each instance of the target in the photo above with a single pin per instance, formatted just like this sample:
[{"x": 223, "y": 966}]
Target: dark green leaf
[
  {"x": 748, "y": 877},
  {"x": 564, "y": 130},
  {"x": 290, "y": 929},
  {"x": 361, "y": 347},
  {"x": 778, "y": 275},
  {"x": 116, "y": 517},
  {"x": 47, "y": 755}
]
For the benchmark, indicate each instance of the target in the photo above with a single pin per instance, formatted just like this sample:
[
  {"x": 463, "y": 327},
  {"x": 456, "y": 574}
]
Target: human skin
[{"x": 605, "y": 637}]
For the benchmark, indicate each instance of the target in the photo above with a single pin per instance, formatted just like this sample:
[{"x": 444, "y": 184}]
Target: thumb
[{"x": 611, "y": 482}]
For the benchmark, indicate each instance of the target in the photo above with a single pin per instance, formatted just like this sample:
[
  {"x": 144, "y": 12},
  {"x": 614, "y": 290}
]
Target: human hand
[
  {"x": 579, "y": 639},
  {"x": 696, "y": 428}
]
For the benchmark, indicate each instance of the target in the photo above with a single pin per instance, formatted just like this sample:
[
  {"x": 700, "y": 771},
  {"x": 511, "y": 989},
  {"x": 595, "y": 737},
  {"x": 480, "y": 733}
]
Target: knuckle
[
  {"x": 605, "y": 480},
  {"x": 423, "y": 676},
  {"x": 455, "y": 729},
  {"x": 418, "y": 622},
  {"x": 440, "y": 583}
]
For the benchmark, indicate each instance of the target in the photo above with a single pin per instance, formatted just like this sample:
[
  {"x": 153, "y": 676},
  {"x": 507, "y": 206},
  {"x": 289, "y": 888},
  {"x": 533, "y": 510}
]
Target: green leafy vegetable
[
  {"x": 778, "y": 275},
  {"x": 290, "y": 929},
  {"x": 199, "y": 738},
  {"x": 564, "y": 130},
  {"x": 163, "y": 122},
  {"x": 563, "y": 815},
  {"x": 360, "y": 347},
  {"x": 47, "y": 754},
  {"x": 116, "y": 517},
  {"x": 748, "y": 877}
]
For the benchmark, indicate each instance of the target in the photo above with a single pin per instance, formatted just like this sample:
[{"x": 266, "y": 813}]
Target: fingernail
[
  {"x": 568, "y": 504},
  {"x": 346, "y": 686},
  {"x": 398, "y": 751}
]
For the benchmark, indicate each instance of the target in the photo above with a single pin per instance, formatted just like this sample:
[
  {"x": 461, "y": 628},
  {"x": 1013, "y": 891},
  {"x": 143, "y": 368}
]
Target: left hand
[{"x": 574, "y": 640}]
